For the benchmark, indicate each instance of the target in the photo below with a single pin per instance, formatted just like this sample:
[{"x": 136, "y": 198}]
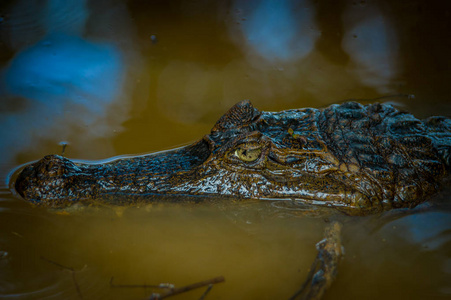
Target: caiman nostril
[{"x": 54, "y": 166}]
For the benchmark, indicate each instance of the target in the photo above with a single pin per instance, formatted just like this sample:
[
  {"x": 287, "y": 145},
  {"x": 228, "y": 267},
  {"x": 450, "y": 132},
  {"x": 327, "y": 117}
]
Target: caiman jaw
[{"x": 311, "y": 177}]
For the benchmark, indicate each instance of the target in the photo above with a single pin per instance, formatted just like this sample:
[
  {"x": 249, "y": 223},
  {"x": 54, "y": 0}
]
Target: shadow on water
[{"x": 109, "y": 78}]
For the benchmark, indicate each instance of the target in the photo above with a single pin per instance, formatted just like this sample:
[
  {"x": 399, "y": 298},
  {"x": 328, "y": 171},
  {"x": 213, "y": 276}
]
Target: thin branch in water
[
  {"x": 190, "y": 287},
  {"x": 313, "y": 269},
  {"x": 57, "y": 264},
  {"x": 64, "y": 145},
  {"x": 202, "y": 297},
  {"x": 324, "y": 269},
  {"x": 77, "y": 287},
  {"x": 71, "y": 270},
  {"x": 170, "y": 290},
  {"x": 144, "y": 286}
]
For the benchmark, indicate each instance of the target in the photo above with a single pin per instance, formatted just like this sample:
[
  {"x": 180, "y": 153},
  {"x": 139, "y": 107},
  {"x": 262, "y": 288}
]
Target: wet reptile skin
[{"x": 363, "y": 158}]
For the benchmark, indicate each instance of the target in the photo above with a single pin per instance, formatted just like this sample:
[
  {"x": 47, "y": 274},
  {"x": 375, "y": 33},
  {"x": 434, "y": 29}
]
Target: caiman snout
[
  {"x": 52, "y": 174},
  {"x": 57, "y": 181}
]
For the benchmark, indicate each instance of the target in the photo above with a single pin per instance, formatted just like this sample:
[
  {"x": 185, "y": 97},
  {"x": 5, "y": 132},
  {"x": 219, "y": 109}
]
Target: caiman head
[{"x": 293, "y": 155}]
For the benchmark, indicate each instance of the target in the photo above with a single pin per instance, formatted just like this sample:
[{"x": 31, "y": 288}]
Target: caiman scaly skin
[{"x": 365, "y": 158}]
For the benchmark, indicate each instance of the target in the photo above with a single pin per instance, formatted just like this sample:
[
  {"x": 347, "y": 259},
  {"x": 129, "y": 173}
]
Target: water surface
[{"x": 107, "y": 78}]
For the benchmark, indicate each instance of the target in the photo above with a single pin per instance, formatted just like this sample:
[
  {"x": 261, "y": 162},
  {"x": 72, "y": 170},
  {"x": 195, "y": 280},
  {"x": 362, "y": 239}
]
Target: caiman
[{"x": 357, "y": 158}]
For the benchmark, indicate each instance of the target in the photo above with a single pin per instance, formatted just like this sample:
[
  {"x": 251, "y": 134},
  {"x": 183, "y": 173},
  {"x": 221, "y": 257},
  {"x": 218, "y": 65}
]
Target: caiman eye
[{"x": 248, "y": 155}]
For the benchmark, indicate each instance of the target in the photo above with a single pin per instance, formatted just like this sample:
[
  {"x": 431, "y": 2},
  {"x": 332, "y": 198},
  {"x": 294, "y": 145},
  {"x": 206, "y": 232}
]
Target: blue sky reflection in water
[
  {"x": 70, "y": 87},
  {"x": 372, "y": 46},
  {"x": 280, "y": 30},
  {"x": 425, "y": 229},
  {"x": 284, "y": 33},
  {"x": 65, "y": 69},
  {"x": 275, "y": 58}
]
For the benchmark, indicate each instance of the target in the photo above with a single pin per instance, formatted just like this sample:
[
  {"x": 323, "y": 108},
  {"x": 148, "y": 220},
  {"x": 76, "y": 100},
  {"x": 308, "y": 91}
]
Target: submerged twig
[
  {"x": 202, "y": 297},
  {"x": 170, "y": 290},
  {"x": 144, "y": 286},
  {"x": 57, "y": 264},
  {"x": 70, "y": 269},
  {"x": 190, "y": 287},
  {"x": 324, "y": 269},
  {"x": 64, "y": 145},
  {"x": 314, "y": 268}
]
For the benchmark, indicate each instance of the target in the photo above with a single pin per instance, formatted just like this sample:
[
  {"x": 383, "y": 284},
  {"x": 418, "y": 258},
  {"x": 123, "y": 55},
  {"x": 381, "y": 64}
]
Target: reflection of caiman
[{"x": 358, "y": 158}]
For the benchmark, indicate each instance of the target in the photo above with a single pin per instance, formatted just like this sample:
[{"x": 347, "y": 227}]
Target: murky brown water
[{"x": 111, "y": 78}]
